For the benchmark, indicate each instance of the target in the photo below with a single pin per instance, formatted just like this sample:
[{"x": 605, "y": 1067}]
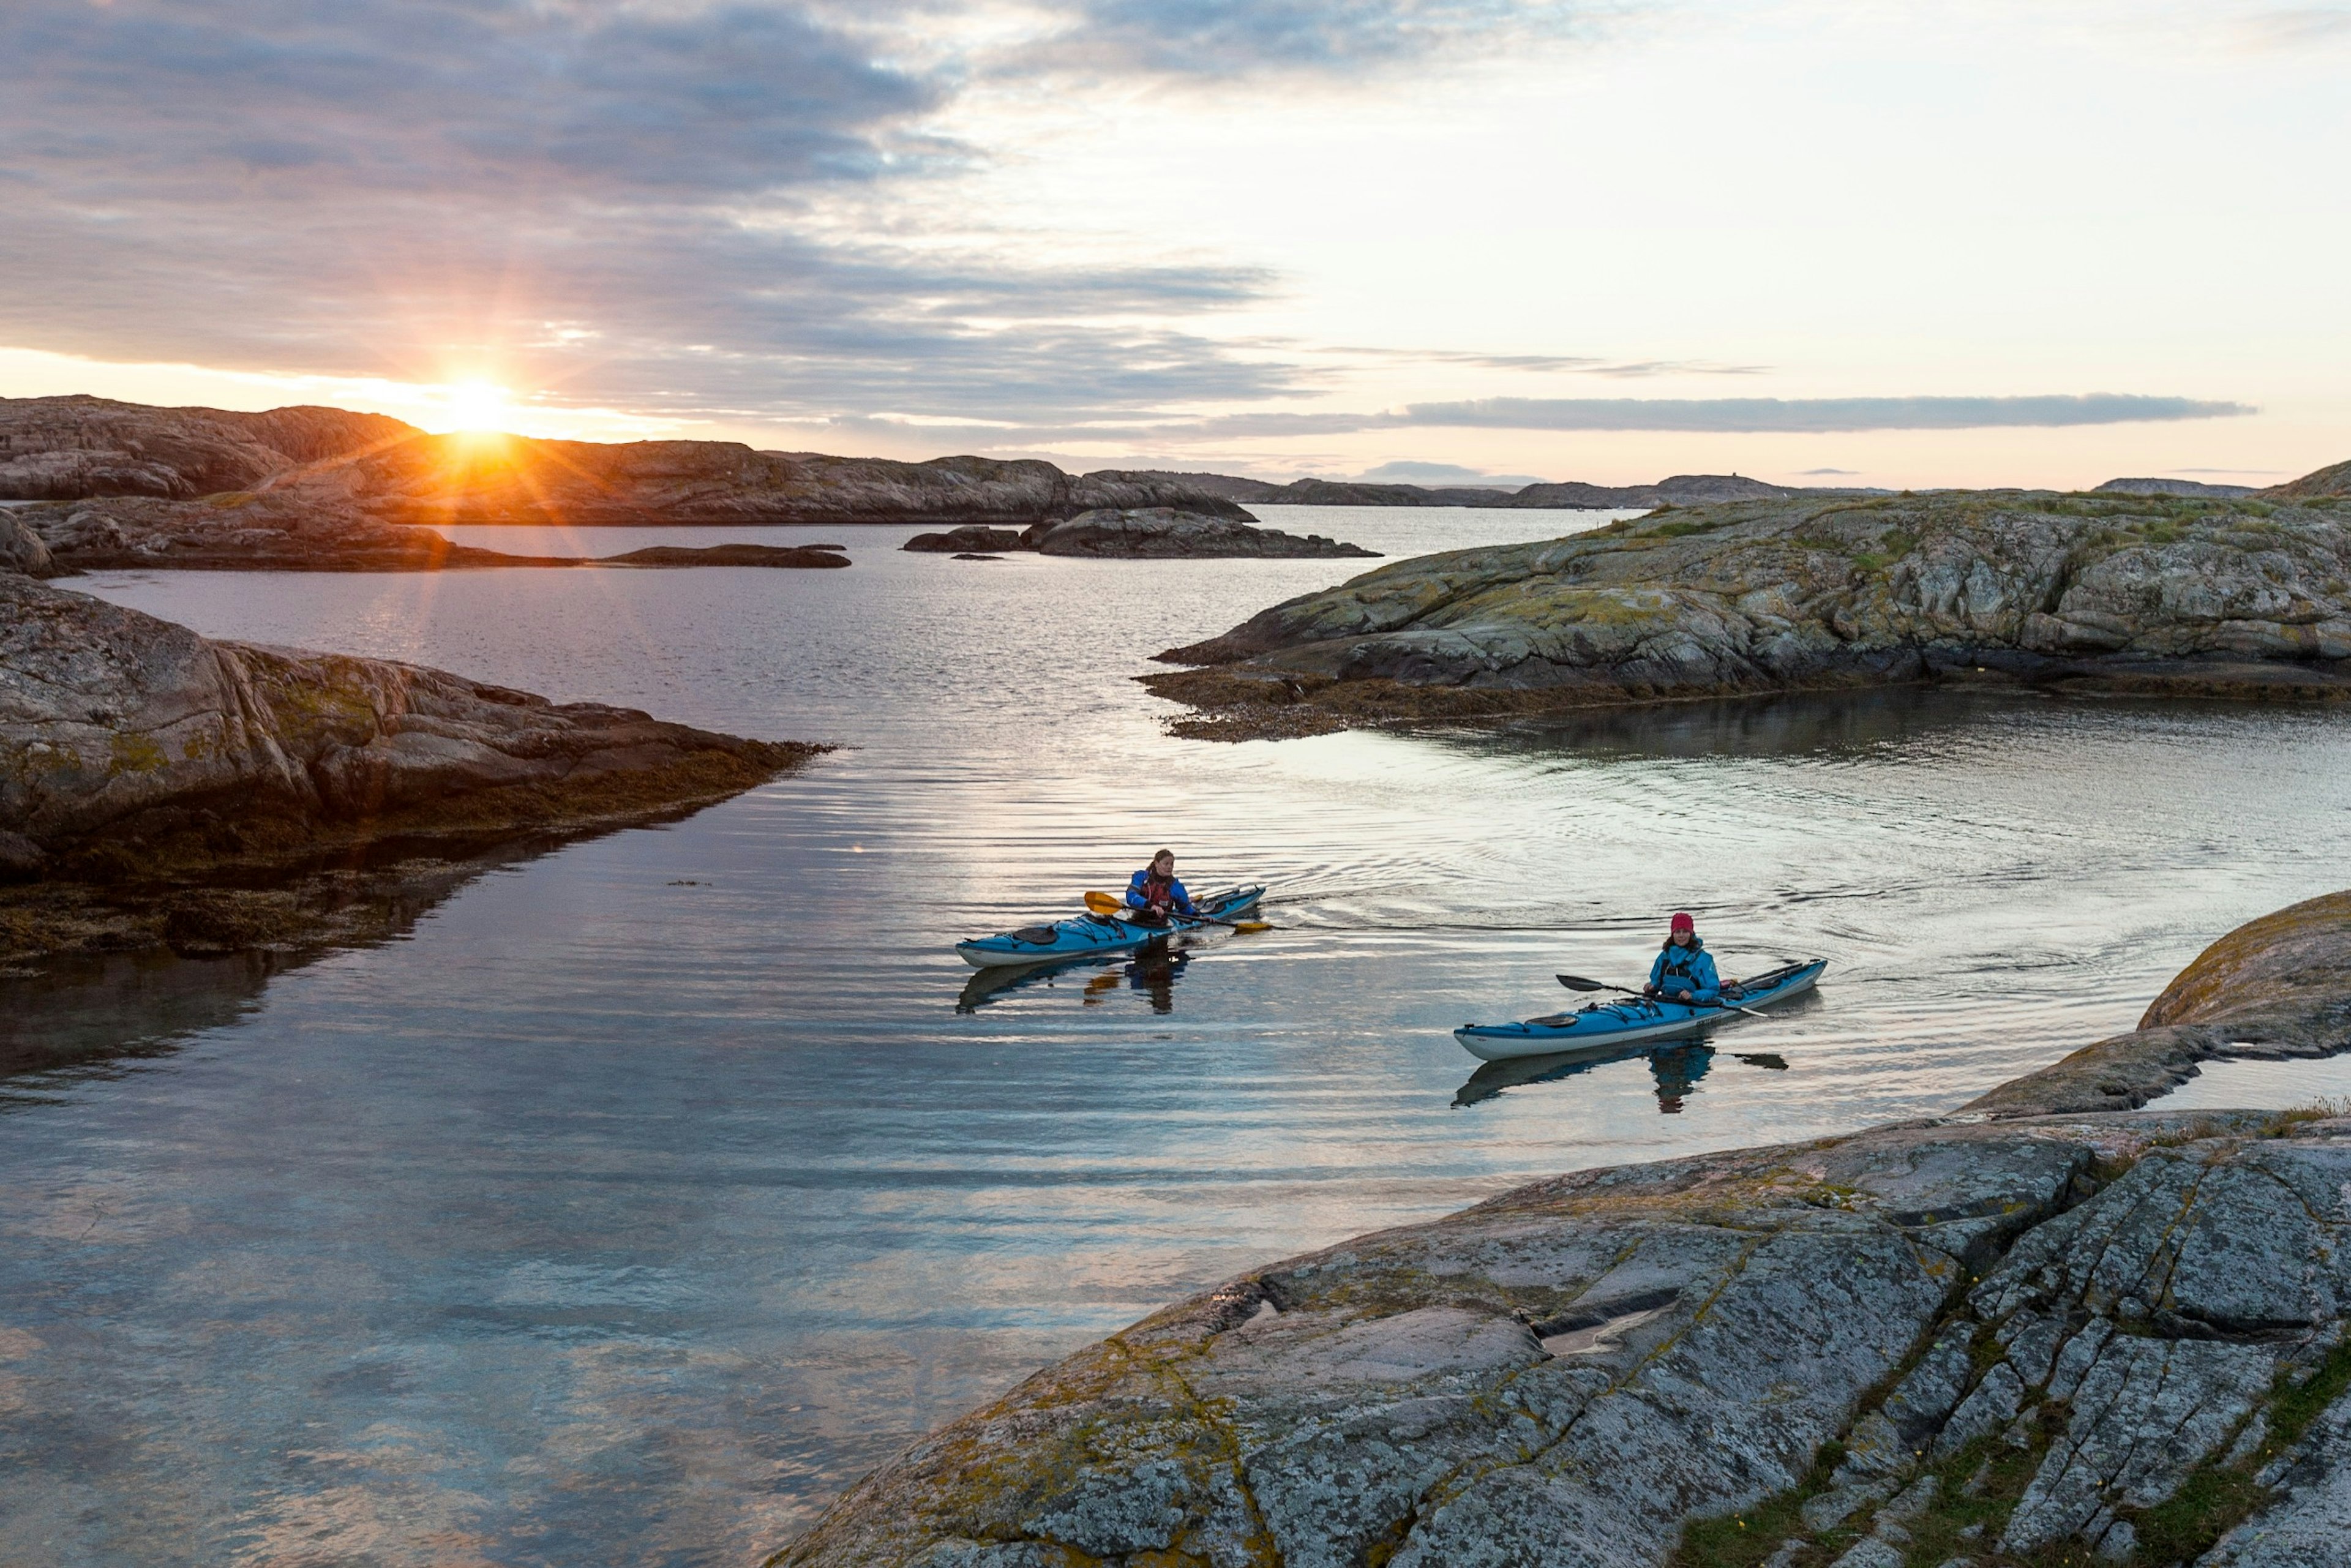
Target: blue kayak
[
  {"x": 1082, "y": 935},
  {"x": 1608, "y": 1025}
]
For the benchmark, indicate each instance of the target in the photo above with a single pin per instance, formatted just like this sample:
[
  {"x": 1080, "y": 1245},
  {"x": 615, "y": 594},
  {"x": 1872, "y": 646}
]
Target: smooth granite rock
[{"x": 2241, "y": 598}]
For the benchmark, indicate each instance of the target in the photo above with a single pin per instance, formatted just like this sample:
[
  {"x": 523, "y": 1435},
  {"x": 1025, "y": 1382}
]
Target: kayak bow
[
  {"x": 1608, "y": 1025},
  {"x": 1082, "y": 934}
]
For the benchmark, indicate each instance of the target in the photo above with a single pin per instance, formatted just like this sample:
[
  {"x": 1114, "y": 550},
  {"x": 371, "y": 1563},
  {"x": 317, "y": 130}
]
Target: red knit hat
[{"x": 1682, "y": 922}]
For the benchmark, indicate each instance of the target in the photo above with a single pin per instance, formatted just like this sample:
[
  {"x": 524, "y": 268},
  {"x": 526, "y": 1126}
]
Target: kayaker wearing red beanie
[{"x": 1685, "y": 969}]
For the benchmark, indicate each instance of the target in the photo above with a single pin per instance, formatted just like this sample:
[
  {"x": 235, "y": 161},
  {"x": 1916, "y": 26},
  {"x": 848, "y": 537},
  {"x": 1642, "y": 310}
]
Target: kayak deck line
[
  {"x": 1608, "y": 1026},
  {"x": 1082, "y": 935}
]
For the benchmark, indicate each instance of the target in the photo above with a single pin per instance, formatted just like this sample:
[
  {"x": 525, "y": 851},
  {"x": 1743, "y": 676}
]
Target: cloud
[
  {"x": 1229, "y": 38},
  {"x": 1742, "y": 414},
  {"x": 2299, "y": 27},
  {"x": 1407, "y": 472},
  {"x": 619, "y": 202},
  {"x": 1815, "y": 473}
]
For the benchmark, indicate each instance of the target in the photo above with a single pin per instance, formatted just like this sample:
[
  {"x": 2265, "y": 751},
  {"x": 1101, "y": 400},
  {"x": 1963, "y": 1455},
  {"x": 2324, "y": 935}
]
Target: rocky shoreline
[
  {"x": 2000, "y": 1339},
  {"x": 160, "y": 789},
  {"x": 2245, "y": 597}
]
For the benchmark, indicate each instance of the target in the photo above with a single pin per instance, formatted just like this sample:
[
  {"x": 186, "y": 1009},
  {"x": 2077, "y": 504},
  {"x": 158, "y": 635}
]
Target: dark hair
[{"x": 1168, "y": 855}]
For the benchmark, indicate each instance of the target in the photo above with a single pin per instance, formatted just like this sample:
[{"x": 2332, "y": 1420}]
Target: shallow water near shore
[{"x": 653, "y": 1189}]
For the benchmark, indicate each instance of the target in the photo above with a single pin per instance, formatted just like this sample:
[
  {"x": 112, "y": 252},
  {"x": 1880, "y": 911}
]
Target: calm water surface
[{"x": 652, "y": 1190}]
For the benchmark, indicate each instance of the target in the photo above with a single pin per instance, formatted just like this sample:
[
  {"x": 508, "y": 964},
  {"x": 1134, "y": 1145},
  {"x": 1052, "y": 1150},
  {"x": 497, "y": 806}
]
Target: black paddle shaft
[{"x": 1578, "y": 983}]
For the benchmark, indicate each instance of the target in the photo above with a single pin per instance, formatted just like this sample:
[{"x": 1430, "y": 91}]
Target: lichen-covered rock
[
  {"x": 1155, "y": 533},
  {"x": 2134, "y": 593}
]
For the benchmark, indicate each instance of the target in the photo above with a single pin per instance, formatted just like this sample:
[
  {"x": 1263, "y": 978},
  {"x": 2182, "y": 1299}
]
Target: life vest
[{"x": 1681, "y": 964}]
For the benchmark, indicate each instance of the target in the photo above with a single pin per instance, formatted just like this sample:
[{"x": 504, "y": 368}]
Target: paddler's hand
[{"x": 1681, "y": 996}]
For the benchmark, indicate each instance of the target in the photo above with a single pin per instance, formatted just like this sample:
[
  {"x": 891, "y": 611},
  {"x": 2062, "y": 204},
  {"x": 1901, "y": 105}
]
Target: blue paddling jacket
[
  {"x": 1141, "y": 893},
  {"x": 1690, "y": 969}
]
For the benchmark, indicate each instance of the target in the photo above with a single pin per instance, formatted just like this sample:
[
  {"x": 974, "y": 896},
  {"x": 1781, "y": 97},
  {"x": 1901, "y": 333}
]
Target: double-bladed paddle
[
  {"x": 1104, "y": 904},
  {"x": 1578, "y": 983}
]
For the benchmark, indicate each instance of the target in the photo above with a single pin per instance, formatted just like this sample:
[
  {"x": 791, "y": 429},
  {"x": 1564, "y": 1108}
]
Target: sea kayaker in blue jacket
[
  {"x": 1684, "y": 971},
  {"x": 1154, "y": 891}
]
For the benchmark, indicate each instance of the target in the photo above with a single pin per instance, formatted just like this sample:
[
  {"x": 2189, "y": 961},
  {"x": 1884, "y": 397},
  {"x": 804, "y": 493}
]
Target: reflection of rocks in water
[
  {"x": 81, "y": 1009},
  {"x": 1796, "y": 725},
  {"x": 126, "y": 1004}
]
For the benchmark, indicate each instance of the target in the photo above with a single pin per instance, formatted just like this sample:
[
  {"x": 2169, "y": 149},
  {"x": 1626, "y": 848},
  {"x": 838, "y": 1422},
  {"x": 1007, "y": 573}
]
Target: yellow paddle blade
[
  {"x": 1102, "y": 904},
  {"x": 1246, "y": 926}
]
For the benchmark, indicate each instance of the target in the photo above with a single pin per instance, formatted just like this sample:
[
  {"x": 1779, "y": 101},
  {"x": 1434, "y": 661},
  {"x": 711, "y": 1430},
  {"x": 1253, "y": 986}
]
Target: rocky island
[
  {"x": 1997, "y": 1339},
  {"x": 161, "y": 789},
  {"x": 1141, "y": 533},
  {"x": 2239, "y": 597}
]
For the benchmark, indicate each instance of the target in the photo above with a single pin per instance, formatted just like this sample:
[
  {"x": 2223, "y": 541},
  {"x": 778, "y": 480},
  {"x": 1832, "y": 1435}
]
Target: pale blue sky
[{"x": 1975, "y": 244}]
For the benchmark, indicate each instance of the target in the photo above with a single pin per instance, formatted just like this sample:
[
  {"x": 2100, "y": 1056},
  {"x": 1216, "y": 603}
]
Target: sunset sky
[{"x": 1848, "y": 243}]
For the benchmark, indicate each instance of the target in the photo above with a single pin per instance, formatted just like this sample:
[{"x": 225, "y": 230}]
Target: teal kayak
[
  {"x": 1082, "y": 934},
  {"x": 1608, "y": 1025}
]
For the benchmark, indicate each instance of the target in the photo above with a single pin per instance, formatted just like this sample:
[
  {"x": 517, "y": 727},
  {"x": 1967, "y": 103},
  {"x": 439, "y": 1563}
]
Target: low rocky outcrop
[
  {"x": 795, "y": 556},
  {"x": 977, "y": 537},
  {"x": 1680, "y": 490},
  {"x": 2170, "y": 488},
  {"x": 2245, "y": 598},
  {"x": 1139, "y": 533},
  {"x": 1154, "y": 533},
  {"x": 1987, "y": 1344},
  {"x": 144, "y": 769},
  {"x": 2277, "y": 989},
  {"x": 2332, "y": 480}
]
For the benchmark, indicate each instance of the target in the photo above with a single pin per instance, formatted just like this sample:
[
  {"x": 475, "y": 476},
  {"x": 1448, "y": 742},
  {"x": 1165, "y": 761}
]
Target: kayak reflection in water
[
  {"x": 1153, "y": 891},
  {"x": 1684, "y": 970}
]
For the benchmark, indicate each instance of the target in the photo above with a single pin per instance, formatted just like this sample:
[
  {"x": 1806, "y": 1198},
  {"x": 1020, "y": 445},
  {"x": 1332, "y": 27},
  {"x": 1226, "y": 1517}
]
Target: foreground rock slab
[
  {"x": 2245, "y": 597},
  {"x": 1569, "y": 1373},
  {"x": 140, "y": 762},
  {"x": 2006, "y": 1343}
]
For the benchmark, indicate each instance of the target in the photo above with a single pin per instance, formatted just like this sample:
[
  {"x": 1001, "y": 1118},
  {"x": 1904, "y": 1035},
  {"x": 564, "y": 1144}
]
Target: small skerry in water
[
  {"x": 1610, "y": 1025},
  {"x": 1083, "y": 935}
]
